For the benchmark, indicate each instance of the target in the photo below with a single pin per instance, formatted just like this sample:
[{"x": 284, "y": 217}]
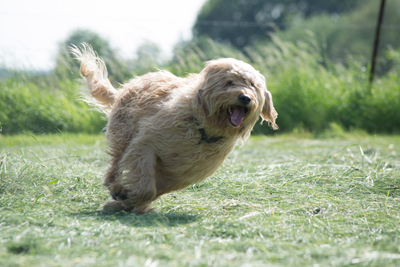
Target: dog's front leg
[{"x": 135, "y": 188}]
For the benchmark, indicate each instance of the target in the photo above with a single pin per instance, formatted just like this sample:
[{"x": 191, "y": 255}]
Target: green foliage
[
  {"x": 350, "y": 36},
  {"x": 309, "y": 95},
  {"x": 189, "y": 57},
  {"x": 246, "y": 22},
  {"x": 304, "y": 92},
  {"x": 309, "y": 91},
  {"x": 148, "y": 58},
  {"x": 40, "y": 107},
  {"x": 344, "y": 29},
  {"x": 277, "y": 201}
]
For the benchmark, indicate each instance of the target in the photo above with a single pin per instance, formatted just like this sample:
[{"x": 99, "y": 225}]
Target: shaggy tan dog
[{"x": 165, "y": 132}]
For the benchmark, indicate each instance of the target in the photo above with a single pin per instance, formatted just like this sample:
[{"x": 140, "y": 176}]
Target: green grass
[{"x": 278, "y": 201}]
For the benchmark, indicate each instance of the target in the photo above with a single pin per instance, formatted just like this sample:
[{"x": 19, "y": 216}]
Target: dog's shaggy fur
[{"x": 165, "y": 133}]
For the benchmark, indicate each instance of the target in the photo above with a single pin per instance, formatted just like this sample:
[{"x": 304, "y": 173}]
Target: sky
[{"x": 31, "y": 30}]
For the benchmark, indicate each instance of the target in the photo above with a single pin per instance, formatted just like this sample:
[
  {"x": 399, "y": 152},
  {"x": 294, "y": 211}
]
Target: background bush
[
  {"x": 40, "y": 105},
  {"x": 308, "y": 94}
]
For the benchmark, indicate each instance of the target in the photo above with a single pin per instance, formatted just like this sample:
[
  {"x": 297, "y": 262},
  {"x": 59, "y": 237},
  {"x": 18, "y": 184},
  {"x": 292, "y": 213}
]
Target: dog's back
[{"x": 140, "y": 93}]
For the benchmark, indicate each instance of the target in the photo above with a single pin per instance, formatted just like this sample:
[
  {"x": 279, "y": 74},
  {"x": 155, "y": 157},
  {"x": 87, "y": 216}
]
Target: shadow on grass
[{"x": 145, "y": 220}]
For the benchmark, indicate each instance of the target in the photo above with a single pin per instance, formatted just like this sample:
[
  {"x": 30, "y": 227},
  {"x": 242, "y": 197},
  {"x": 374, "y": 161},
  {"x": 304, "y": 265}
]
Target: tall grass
[
  {"x": 44, "y": 105},
  {"x": 309, "y": 92},
  {"x": 312, "y": 96}
]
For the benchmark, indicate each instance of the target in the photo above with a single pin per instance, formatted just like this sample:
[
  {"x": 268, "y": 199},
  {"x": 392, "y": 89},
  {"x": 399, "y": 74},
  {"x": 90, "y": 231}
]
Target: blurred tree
[
  {"x": 242, "y": 22},
  {"x": 148, "y": 58},
  {"x": 189, "y": 56},
  {"x": 351, "y": 34},
  {"x": 67, "y": 66}
]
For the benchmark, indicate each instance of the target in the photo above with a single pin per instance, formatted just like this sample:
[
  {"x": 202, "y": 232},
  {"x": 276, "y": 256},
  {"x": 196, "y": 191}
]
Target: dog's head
[{"x": 232, "y": 95}]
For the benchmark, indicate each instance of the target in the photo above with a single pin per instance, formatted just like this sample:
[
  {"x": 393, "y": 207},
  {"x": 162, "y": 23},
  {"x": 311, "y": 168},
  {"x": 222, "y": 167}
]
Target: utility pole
[{"x": 376, "y": 43}]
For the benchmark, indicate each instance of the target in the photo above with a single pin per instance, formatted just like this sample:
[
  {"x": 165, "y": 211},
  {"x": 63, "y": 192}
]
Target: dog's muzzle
[
  {"x": 244, "y": 99},
  {"x": 237, "y": 113}
]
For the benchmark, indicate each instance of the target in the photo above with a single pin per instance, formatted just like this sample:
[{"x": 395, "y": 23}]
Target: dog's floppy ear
[
  {"x": 268, "y": 112},
  {"x": 211, "y": 77},
  {"x": 200, "y": 105}
]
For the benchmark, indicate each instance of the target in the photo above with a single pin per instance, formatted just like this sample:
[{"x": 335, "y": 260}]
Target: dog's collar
[
  {"x": 204, "y": 138},
  {"x": 210, "y": 140}
]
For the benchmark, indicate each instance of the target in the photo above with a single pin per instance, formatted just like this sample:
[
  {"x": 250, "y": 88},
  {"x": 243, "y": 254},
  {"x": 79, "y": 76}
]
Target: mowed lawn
[{"x": 277, "y": 201}]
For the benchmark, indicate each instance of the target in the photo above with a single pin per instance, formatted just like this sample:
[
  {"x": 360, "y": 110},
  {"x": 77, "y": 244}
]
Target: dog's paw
[
  {"x": 115, "y": 206},
  {"x": 117, "y": 192},
  {"x": 142, "y": 209},
  {"x": 118, "y": 196}
]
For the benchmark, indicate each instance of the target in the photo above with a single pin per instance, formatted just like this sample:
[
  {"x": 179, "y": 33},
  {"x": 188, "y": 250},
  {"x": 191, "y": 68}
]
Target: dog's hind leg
[
  {"x": 135, "y": 188},
  {"x": 116, "y": 150},
  {"x": 112, "y": 172}
]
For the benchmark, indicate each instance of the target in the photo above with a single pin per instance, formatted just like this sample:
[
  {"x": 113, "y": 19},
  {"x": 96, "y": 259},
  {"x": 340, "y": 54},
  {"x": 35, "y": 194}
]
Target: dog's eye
[
  {"x": 230, "y": 83},
  {"x": 252, "y": 85}
]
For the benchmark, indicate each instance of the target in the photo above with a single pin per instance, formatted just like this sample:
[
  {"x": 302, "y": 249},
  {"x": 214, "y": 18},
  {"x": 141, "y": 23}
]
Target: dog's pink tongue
[{"x": 237, "y": 116}]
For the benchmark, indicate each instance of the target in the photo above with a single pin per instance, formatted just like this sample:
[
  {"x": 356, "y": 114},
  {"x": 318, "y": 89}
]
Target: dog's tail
[{"x": 94, "y": 70}]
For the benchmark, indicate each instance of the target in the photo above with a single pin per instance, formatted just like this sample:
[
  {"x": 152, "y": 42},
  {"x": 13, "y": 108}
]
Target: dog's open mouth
[{"x": 236, "y": 115}]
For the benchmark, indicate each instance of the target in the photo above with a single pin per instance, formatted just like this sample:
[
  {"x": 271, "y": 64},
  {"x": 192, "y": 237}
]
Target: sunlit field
[{"x": 288, "y": 200}]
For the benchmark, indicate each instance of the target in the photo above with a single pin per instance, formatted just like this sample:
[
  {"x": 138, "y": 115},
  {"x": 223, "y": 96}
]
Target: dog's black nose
[{"x": 244, "y": 99}]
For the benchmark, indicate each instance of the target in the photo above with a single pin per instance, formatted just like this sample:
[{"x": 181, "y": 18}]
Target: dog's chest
[{"x": 193, "y": 163}]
